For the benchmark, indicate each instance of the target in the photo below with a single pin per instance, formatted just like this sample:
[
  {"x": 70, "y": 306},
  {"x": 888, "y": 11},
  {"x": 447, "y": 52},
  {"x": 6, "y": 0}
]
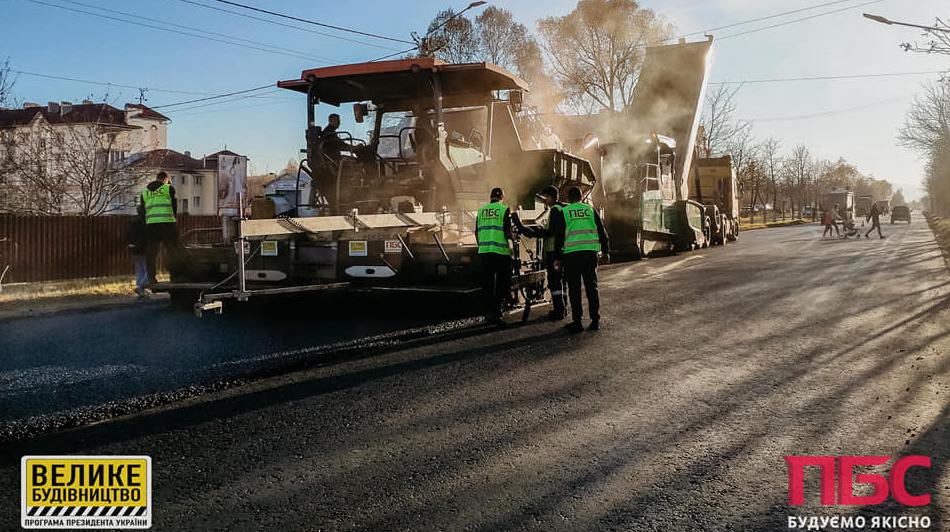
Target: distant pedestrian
[
  {"x": 493, "y": 234},
  {"x": 829, "y": 218},
  {"x": 136, "y": 243},
  {"x": 159, "y": 209},
  {"x": 874, "y": 216},
  {"x": 584, "y": 237}
]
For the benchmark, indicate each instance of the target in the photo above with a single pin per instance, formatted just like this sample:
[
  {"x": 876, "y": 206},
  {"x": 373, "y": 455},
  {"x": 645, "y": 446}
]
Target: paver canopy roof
[{"x": 389, "y": 82}]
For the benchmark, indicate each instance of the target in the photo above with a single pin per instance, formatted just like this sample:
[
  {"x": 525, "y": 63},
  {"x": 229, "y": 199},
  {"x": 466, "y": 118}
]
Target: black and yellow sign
[{"x": 86, "y": 492}]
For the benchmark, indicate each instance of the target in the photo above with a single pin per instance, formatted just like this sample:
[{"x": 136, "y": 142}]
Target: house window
[
  {"x": 197, "y": 182},
  {"x": 196, "y": 201},
  {"x": 183, "y": 206}
]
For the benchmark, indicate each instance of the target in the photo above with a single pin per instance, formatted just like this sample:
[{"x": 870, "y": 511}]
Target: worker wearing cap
[
  {"x": 552, "y": 227},
  {"x": 493, "y": 233},
  {"x": 583, "y": 238}
]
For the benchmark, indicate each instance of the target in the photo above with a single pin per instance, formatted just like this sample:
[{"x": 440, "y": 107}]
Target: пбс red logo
[{"x": 844, "y": 474}]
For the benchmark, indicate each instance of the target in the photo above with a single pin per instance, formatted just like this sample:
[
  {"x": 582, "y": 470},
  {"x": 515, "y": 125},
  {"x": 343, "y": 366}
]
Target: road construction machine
[
  {"x": 649, "y": 155},
  {"x": 715, "y": 187},
  {"x": 392, "y": 208}
]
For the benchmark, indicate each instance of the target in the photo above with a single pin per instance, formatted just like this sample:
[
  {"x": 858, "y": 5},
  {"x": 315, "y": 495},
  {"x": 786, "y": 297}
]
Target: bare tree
[
  {"x": 597, "y": 49},
  {"x": 798, "y": 166},
  {"x": 719, "y": 122},
  {"x": 771, "y": 166},
  {"x": 938, "y": 40},
  {"x": 7, "y": 81},
  {"x": 456, "y": 41},
  {"x": 926, "y": 129},
  {"x": 69, "y": 169}
]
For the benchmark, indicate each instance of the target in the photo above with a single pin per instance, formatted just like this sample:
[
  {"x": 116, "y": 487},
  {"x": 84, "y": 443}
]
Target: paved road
[{"x": 710, "y": 368}]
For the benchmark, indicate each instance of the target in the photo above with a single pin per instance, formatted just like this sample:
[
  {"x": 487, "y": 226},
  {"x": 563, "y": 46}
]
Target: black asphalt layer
[{"x": 710, "y": 367}]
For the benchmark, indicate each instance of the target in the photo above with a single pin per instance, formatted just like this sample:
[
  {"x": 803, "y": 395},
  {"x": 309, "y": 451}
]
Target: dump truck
[
  {"x": 393, "y": 207},
  {"x": 715, "y": 187},
  {"x": 843, "y": 197},
  {"x": 649, "y": 155}
]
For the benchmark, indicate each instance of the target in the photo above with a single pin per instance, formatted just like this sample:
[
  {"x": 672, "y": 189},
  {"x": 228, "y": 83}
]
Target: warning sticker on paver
[
  {"x": 358, "y": 248},
  {"x": 269, "y": 248},
  {"x": 393, "y": 246},
  {"x": 86, "y": 492}
]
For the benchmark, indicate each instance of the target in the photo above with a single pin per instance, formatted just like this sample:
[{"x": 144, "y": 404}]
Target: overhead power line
[
  {"x": 218, "y": 102},
  {"x": 210, "y": 95},
  {"x": 314, "y": 22},
  {"x": 767, "y": 17},
  {"x": 276, "y": 23},
  {"x": 292, "y": 51},
  {"x": 830, "y": 77},
  {"x": 832, "y": 112},
  {"x": 180, "y": 32},
  {"x": 214, "y": 97},
  {"x": 802, "y": 19}
]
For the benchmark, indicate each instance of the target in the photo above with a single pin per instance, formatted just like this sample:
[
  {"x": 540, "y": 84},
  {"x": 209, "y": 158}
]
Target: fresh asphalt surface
[{"x": 711, "y": 366}]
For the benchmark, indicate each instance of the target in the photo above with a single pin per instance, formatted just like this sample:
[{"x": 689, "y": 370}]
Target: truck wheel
[{"x": 707, "y": 234}]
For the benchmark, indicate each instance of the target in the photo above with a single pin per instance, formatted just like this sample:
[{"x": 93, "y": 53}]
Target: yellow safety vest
[
  {"x": 491, "y": 229},
  {"x": 581, "y": 229},
  {"x": 158, "y": 205}
]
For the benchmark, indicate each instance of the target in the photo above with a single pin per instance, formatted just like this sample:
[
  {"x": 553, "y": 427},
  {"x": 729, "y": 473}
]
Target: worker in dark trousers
[
  {"x": 583, "y": 238},
  {"x": 493, "y": 233},
  {"x": 552, "y": 227},
  {"x": 159, "y": 207},
  {"x": 874, "y": 215}
]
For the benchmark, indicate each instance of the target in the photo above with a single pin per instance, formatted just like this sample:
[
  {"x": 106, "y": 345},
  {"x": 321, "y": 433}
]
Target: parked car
[{"x": 901, "y": 212}]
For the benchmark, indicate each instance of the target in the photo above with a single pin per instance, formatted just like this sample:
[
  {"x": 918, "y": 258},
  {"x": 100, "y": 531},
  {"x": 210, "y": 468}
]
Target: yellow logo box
[{"x": 86, "y": 481}]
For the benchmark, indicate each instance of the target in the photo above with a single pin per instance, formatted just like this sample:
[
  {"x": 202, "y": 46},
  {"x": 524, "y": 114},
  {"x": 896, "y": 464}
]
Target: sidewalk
[{"x": 35, "y": 299}]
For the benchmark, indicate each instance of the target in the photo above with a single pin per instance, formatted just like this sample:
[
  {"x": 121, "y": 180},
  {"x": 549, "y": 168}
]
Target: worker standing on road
[
  {"x": 552, "y": 227},
  {"x": 583, "y": 238},
  {"x": 159, "y": 208},
  {"x": 493, "y": 233},
  {"x": 874, "y": 215}
]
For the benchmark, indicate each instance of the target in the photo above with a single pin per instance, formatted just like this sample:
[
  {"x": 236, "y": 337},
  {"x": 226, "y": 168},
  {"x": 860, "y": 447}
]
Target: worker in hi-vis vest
[
  {"x": 159, "y": 207},
  {"x": 584, "y": 237},
  {"x": 552, "y": 227},
  {"x": 493, "y": 233}
]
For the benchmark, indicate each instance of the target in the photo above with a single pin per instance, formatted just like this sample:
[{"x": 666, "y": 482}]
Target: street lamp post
[{"x": 884, "y": 20}]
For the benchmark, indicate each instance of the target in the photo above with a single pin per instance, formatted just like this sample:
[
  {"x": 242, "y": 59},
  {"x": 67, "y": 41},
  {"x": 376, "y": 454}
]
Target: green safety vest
[
  {"x": 158, "y": 205},
  {"x": 549, "y": 239},
  {"x": 491, "y": 229},
  {"x": 581, "y": 231}
]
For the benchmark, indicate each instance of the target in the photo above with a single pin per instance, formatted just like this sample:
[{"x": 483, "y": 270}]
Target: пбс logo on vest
[
  {"x": 491, "y": 212},
  {"x": 578, "y": 213}
]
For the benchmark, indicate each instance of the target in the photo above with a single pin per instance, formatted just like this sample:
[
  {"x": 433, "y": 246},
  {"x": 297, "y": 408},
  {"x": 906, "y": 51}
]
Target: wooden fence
[{"x": 45, "y": 248}]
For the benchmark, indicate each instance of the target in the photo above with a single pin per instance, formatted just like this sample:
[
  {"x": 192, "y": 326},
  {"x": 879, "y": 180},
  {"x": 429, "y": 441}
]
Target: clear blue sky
[{"x": 855, "y": 119}]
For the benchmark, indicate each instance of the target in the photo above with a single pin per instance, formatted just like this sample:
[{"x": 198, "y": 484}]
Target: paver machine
[{"x": 392, "y": 208}]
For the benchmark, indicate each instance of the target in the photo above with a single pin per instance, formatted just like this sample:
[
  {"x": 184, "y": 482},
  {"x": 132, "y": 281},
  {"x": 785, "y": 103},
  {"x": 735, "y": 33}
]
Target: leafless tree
[
  {"x": 456, "y": 41},
  {"x": 68, "y": 169},
  {"x": 926, "y": 129},
  {"x": 597, "y": 49},
  {"x": 7, "y": 81},
  {"x": 771, "y": 166},
  {"x": 720, "y": 125},
  {"x": 798, "y": 167},
  {"x": 937, "y": 40}
]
